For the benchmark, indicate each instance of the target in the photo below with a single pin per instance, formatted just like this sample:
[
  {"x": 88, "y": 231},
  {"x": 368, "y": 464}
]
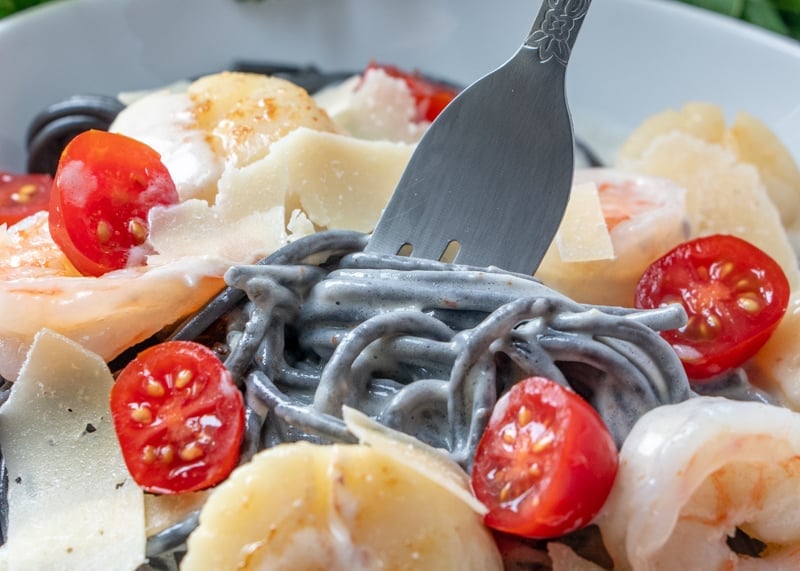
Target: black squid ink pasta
[{"x": 424, "y": 347}]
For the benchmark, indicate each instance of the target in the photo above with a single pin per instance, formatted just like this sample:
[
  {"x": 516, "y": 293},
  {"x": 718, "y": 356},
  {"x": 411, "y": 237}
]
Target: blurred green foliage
[
  {"x": 781, "y": 16},
  {"x": 8, "y": 7}
]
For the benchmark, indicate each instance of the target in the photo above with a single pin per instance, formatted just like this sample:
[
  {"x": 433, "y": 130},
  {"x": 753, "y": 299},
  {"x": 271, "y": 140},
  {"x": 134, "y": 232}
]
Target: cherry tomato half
[
  {"x": 430, "y": 97},
  {"x": 179, "y": 418},
  {"x": 22, "y": 195},
  {"x": 104, "y": 187},
  {"x": 734, "y": 295},
  {"x": 545, "y": 463}
]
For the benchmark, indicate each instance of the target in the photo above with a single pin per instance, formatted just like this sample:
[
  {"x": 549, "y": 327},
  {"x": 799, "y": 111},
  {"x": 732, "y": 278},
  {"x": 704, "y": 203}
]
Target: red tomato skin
[
  {"x": 430, "y": 97},
  {"x": 574, "y": 472},
  {"x": 111, "y": 180},
  {"x": 682, "y": 276},
  {"x": 208, "y": 412},
  {"x": 22, "y": 195}
]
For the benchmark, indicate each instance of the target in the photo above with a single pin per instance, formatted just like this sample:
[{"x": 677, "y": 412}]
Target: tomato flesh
[
  {"x": 104, "y": 188},
  {"x": 545, "y": 463},
  {"x": 22, "y": 195},
  {"x": 734, "y": 295},
  {"x": 179, "y": 418},
  {"x": 430, "y": 97}
]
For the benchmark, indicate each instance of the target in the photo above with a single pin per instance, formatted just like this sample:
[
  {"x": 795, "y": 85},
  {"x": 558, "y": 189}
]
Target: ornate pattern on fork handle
[{"x": 556, "y": 28}]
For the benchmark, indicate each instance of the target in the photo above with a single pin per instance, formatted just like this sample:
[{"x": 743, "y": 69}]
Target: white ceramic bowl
[{"x": 634, "y": 57}]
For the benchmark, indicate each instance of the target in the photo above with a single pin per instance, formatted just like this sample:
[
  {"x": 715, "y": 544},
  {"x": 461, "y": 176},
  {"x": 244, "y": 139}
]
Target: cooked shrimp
[
  {"x": 394, "y": 504},
  {"x": 694, "y": 473},
  {"x": 40, "y": 289},
  {"x": 644, "y": 217},
  {"x": 28, "y": 251},
  {"x": 776, "y": 367}
]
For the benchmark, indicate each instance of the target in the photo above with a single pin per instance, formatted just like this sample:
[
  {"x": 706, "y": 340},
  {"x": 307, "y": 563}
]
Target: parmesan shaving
[
  {"x": 72, "y": 503},
  {"x": 163, "y": 511},
  {"x": 583, "y": 235},
  {"x": 183, "y": 230},
  {"x": 324, "y": 180},
  {"x": 430, "y": 462},
  {"x": 353, "y": 181},
  {"x": 338, "y": 181},
  {"x": 374, "y": 106}
]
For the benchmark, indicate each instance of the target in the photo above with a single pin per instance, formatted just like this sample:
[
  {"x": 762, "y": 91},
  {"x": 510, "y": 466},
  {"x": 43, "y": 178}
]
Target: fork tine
[{"x": 430, "y": 249}]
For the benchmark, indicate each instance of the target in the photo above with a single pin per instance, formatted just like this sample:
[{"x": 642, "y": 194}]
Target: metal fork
[{"x": 493, "y": 172}]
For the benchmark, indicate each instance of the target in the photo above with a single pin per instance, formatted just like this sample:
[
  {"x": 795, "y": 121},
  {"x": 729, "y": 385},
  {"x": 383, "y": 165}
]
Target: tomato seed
[
  {"x": 746, "y": 284},
  {"x": 724, "y": 270},
  {"x": 142, "y": 414},
  {"x": 24, "y": 194},
  {"x": 702, "y": 328},
  {"x": 524, "y": 416},
  {"x": 544, "y": 442},
  {"x": 505, "y": 492},
  {"x": 138, "y": 230},
  {"x": 154, "y": 388},
  {"x": 183, "y": 378},
  {"x": 713, "y": 323},
  {"x": 149, "y": 454},
  {"x": 191, "y": 451},
  {"x": 509, "y": 435},
  {"x": 535, "y": 470},
  {"x": 749, "y": 303},
  {"x": 167, "y": 454},
  {"x": 103, "y": 231}
]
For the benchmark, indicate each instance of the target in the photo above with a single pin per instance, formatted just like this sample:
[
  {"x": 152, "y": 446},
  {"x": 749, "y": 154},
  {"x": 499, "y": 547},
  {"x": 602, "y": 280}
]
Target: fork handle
[{"x": 556, "y": 28}]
